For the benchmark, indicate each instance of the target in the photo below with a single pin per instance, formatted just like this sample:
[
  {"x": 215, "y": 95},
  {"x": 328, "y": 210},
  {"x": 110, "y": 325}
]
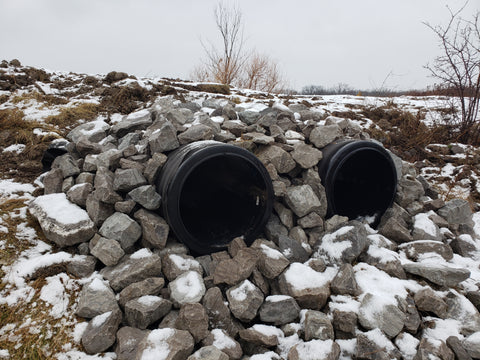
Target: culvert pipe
[
  {"x": 213, "y": 192},
  {"x": 360, "y": 179}
]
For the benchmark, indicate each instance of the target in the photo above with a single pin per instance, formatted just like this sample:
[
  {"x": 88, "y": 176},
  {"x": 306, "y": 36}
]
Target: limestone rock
[
  {"x": 128, "y": 339},
  {"x": 302, "y": 200},
  {"x": 173, "y": 344},
  {"x": 155, "y": 229},
  {"x": 122, "y": 228},
  {"x": 438, "y": 273},
  {"x": 279, "y": 310},
  {"x": 194, "y": 319},
  {"x": 187, "y": 288},
  {"x": 317, "y": 326},
  {"x": 244, "y": 300},
  {"x": 101, "y": 332},
  {"x": 146, "y": 196},
  {"x": 145, "y": 310},
  {"x": 149, "y": 286},
  {"x": 108, "y": 251},
  {"x": 96, "y": 298}
]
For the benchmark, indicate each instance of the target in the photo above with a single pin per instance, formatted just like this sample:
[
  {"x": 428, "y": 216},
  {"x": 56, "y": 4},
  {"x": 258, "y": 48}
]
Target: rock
[
  {"x": 322, "y": 135},
  {"x": 315, "y": 350},
  {"x": 78, "y": 194},
  {"x": 344, "y": 245},
  {"x": 128, "y": 179},
  {"x": 194, "y": 133},
  {"x": 395, "y": 230},
  {"x": 96, "y": 298},
  {"x": 425, "y": 229},
  {"x": 53, "y": 181},
  {"x": 187, "y": 288},
  {"x": 317, "y": 326},
  {"x": 174, "y": 265},
  {"x": 235, "y": 127},
  {"x": 437, "y": 273},
  {"x": 302, "y": 200},
  {"x": 437, "y": 349},
  {"x": 93, "y": 131},
  {"x": 67, "y": 164},
  {"x": 146, "y": 196},
  {"x": 128, "y": 339},
  {"x": 427, "y": 300},
  {"x": 98, "y": 210},
  {"x": 271, "y": 262},
  {"x": 258, "y": 138},
  {"x": 172, "y": 344},
  {"x": 368, "y": 349},
  {"x": 154, "y": 229},
  {"x": 249, "y": 117},
  {"x": 208, "y": 353},
  {"x": 344, "y": 282},
  {"x": 262, "y": 335},
  {"x": 279, "y": 310},
  {"x": 149, "y": 286},
  {"x": 456, "y": 345},
  {"x": 275, "y": 155},
  {"x": 90, "y": 163},
  {"x": 456, "y": 212},
  {"x": 218, "y": 312},
  {"x": 311, "y": 220},
  {"x": 306, "y": 155},
  {"x": 108, "y": 251},
  {"x": 133, "y": 268},
  {"x": 415, "y": 249},
  {"x": 464, "y": 245},
  {"x": 409, "y": 190},
  {"x": 344, "y": 323},
  {"x": 472, "y": 345},
  {"x": 225, "y": 343},
  {"x": 138, "y": 120},
  {"x": 244, "y": 300},
  {"x": 101, "y": 332},
  {"x": 125, "y": 207},
  {"x": 413, "y": 320},
  {"x": 389, "y": 318},
  {"x": 85, "y": 147},
  {"x": 285, "y": 215},
  {"x": 194, "y": 319},
  {"x": 163, "y": 139},
  {"x": 144, "y": 311},
  {"x": 308, "y": 287},
  {"x": 109, "y": 159},
  {"x": 463, "y": 311},
  {"x": 104, "y": 186},
  {"x": 154, "y": 166},
  {"x": 274, "y": 229},
  {"x": 82, "y": 266},
  {"x": 122, "y": 228},
  {"x": 293, "y": 249},
  {"x": 62, "y": 222},
  {"x": 232, "y": 271}
]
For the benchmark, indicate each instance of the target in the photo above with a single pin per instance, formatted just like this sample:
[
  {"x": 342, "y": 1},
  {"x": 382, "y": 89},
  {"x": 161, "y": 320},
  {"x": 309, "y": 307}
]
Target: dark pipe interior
[
  {"x": 222, "y": 198},
  {"x": 364, "y": 184}
]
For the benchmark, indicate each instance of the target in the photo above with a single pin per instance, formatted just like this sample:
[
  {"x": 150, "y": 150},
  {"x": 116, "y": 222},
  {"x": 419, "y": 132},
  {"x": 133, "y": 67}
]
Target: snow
[
  {"x": 344, "y": 303},
  {"x": 242, "y": 291},
  {"x": 334, "y": 249},
  {"x": 423, "y": 222},
  {"x": 221, "y": 340},
  {"x": 269, "y": 355},
  {"x": 141, "y": 254},
  {"x": 4, "y": 354},
  {"x": 309, "y": 350},
  {"x": 58, "y": 207},
  {"x": 377, "y": 336},
  {"x": 54, "y": 294},
  {"x": 9, "y": 187},
  {"x": 182, "y": 263},
  {"x": 149, "y": 300},
  {"x": 302, "y": 277},
  {"x": 97, "y": 285},
  {"x": 79, "y": 355},
  {"x": 270, "y": 252},
  {"x": 277, "y": 298},
  {"x": 16, "y": 148},
  {"x": 157, "y": 347},
  {"x": 99, "y": 320},
  {"x": 347, "y": 348},
  {"x": 441, "y": 329},
  {"x": 78, "y": 331},
  {"x": 190, "y": 284},
  {"x": 268, "y": 330}
]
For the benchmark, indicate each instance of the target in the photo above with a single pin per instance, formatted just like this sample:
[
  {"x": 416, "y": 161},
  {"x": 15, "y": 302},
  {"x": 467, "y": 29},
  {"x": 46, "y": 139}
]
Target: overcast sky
[{"x": 320, "y": 42}]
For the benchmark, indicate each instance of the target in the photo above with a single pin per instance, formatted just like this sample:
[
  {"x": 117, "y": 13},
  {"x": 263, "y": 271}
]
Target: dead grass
[
  {"x": 70, "y": 116},
  {"x": 50, "y": 100}
]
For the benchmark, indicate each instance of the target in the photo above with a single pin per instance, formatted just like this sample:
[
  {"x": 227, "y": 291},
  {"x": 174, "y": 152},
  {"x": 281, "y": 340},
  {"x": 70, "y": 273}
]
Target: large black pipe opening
[
  {"x": 214, "y": 192},
  {"x": 360, "y": 179}
]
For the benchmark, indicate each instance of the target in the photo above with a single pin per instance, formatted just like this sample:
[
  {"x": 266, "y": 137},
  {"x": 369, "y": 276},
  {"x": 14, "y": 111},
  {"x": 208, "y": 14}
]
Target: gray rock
[
  {"x": 427, "y": 300},
  {"x": 53, "y": 181},
  {"x": 101, "y": 332},
  {"x": 225, "y": 343},
  {"x": 367, "y": 349},
  {"x": 96, "y": 298},
  {"x": 104, "y": 186},
  {"x": 149, "y": 286},
  {"x": 62, "y": 222},
  {"x": 258, "y": 138},
  {"x": 122, "y": 228},
  {"x": 311, "y": 177},
  {"x": 464, "y": 245},
  {"x": 218, "y": 312},
  {"x": 154, "y": 166},
  {"x": 94, "y": 131},
  {"x": 344, "y": 323},
  {"x": 67, "y": 184},
  {"x": 109, "y": 159},
  {"x": 196, "y": 133},
  {"x": 439, "y": 274},
  {"x": 208, "y": 353},
  {"x": 261, "y": 335},
  {"x": 285, "y": 215},
  {"x": 128, "y": 140},
  {"x": 323, "y": 135},
  {"x": 425, "y": 229},
  {"x": 133, "y": 268},
  {"x": 146, "y": 310},
  {"x": 128, "y": 179},
  {"x": 293, "y": 249},
  {"x": 98, "y": 210},
  {"x": 128, "y": 339},
  {"x": 462, "y": 310},
  {"x": 275, "y": 155},
  {"x": 335, "y": 222},
  {"x": 309, "y": 349},
  {"x": 163, "y": 139},
  {"x": 302, "y": 200},
  {"x": 456, "y": 345},
  {"x": 125, "y": 207},
  {"x": 306, "y": 155},
  {"x": 137, "y": 120},
  {"x": 409, "y": 189},
  {"x": 108, "y": 251},
  {"x": 244, "y": 300},
  {"x": 169, "y": 320},
  {"x": 146, "y": 196},
  {"x": 178, "y": 343},
  {"x": 390, "y": 319},
  {"x": 311, "y": 220},
  {"x": 173, "y": 265},
  {"x": 271, "y": 262},
  {"x": 154, "y": 229},
  {"x": 82, "y": 266},
  {"x": 274, "y": 228},
  {"x": 67, "y": 164},
  {"x": 395, "y": 230},
  {"x": 456, "y": 211},
  {"x": 232, "y": 271},
  {"x": 249, "y": 117},
  {"x": 438, "y": 350},
  {"x": 415, "y": 249},
  {"x": 179, "y": 116},
  {"x": 90, "y": 163},
  {"x": 235, "y": 127},
  {"x": 229, "y": 112},
  {"x": 413, "y": 320},
  {"x": 187, "y": 288},
  {"x": 279, "y": 310},
  {"x": 317, "y": 326},
  {"x": 344, "y": 282},
  {"x": 78, "y": 194},
  {"x": 85, "y": 147},
  {"x": 132, "y": 164},
  {"x": 472, "y": 345},
  {"x": 194, "y": 319}
]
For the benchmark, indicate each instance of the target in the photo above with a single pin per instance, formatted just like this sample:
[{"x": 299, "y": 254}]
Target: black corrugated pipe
[
  {"x": 360, "y": 179},
  {"x": 213, "y": 192}
]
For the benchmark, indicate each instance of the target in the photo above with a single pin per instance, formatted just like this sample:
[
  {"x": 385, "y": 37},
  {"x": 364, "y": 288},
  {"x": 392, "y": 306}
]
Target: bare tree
[
  {"x": 458, "y": 68},
  {"x": 232, "y": 64}
]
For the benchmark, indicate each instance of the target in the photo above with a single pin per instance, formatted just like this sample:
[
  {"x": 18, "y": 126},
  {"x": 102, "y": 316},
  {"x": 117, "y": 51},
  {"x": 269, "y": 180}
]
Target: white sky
[{"x": 320, "y": 42}]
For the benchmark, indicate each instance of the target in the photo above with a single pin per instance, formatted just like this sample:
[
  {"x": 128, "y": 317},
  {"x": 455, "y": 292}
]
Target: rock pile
[{"x": 310, "y": 288}]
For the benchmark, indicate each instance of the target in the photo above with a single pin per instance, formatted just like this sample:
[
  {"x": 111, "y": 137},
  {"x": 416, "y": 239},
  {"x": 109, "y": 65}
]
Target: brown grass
[{"x": 70, "y": 116}]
